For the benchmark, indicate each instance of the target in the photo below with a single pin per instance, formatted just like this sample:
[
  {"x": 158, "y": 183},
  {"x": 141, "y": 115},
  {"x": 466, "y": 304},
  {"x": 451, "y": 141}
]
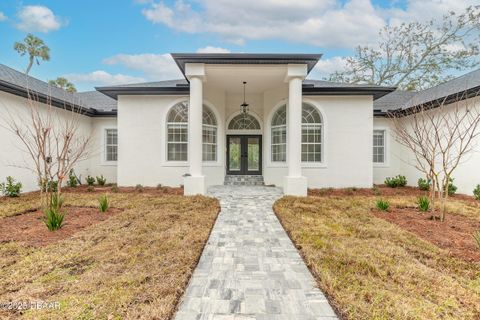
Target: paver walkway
[{"x": 249, "y": 268}]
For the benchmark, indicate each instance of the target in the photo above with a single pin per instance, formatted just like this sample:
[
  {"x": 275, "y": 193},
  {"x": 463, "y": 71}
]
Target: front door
[{"x": 244, "y": 154}]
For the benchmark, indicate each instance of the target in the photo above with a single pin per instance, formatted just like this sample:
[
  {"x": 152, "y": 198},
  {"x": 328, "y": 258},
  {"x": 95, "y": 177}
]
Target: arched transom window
[
  {"x": 311, "y": 134},
  {"x": 244, "y": 122},
  {"x": 279, "y": 135},
  {"x": 177, "y": 133}
]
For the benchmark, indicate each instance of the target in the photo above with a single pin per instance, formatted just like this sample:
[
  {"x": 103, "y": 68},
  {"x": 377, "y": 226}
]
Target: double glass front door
[{"x": 244, "y": 154}]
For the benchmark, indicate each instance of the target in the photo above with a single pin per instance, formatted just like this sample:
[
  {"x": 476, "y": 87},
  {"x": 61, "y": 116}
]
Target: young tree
[
  {"x": 35, "y": 48},
  {"x": 64, "y": 84},
  {"x": 416, "y": 55},
  {"x": 439, "y": 134}
]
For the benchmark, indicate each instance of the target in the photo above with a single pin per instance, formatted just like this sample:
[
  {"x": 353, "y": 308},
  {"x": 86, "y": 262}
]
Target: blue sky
[{"x": 101, "y": 42}]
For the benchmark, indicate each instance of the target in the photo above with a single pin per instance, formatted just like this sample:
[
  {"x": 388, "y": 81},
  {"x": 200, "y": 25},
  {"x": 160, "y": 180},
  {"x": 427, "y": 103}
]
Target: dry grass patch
[
  {"x": 134, "y": 265},
  {"x": 372, "y": 269}
]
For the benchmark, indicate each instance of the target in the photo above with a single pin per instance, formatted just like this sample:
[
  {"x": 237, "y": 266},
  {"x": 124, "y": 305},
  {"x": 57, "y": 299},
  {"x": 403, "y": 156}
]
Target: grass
[
  {"x": 134, "y": 265},
  {"x": 372, "y": 269}
]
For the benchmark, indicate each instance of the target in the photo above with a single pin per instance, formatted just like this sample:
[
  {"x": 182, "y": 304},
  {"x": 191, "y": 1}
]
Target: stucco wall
[
  {"x": 400, "y": 161},
  {"x": 97, "y": 164}
]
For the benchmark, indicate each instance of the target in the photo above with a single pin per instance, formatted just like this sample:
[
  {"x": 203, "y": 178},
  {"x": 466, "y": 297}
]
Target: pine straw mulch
[{"x": 132, "y": 263}]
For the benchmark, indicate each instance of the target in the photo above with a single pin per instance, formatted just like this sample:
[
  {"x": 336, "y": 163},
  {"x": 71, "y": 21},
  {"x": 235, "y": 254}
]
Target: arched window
[
  {"x": 177, "y": 133},
  {"x": 311, "y": 134},
  {"x": 244, "y": 122},
  {"x": 209, "y": 133},
  {"x": 279, "y": 135}
]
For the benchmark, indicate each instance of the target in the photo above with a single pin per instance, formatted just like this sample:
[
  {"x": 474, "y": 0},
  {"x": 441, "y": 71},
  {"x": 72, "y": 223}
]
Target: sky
[{"x": 107, "y": 42}]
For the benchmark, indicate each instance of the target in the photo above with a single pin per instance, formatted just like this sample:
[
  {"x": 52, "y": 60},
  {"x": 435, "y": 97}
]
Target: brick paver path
[{"x": 249, "y": 268}]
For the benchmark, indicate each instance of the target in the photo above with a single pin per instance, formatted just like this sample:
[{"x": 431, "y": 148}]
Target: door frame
[{"x": 244, "y": 156}]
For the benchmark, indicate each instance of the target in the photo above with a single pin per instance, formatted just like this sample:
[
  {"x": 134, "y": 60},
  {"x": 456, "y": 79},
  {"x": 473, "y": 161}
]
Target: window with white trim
[
  {"x": 311, "y": 134},
  {"x": 111, "y": 145},
  {"x": 279, "y": 135},
  {"x": 209, "y": 133},
  {"x": 379, "y": 146},
  {"x": 177, "y": 132}
]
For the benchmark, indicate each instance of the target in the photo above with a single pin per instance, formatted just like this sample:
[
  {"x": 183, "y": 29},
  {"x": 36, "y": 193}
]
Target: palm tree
[
  {"x": 35, "y": 48},
  {"x": 63, "y": 83}
]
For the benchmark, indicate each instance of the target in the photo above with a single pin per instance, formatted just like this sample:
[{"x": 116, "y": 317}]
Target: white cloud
[
  {"x": 101, "y": 77},
  {"x": 3, "y": 17},
  {"x": 326, "y": 67},
  {"x": 210, "y": 49},
  {"x": 325, "y": 23},
  {"x": 37, "y": 19},
  {"x": 154, "y": 66}
]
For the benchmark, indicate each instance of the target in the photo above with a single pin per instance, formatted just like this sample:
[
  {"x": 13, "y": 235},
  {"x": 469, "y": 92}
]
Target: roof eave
[{"x": 376, "y": 92}]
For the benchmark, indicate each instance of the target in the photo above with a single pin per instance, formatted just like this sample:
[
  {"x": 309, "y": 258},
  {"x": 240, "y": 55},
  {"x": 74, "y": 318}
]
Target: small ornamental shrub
[
  {"x": 101, "y": 180},
  {"x": 452, "y": 189},
  {"x": 376, "y": 191},
  {"x": 476, "y": 192},
  {"x": 72, "y": 179},
  {"x": 90, "y": 180},
  {"x": 114, "y": 188},
  {"x": 103, "y": 203},
  {"x": 11, "y": 188},
  {"x": 90, "y": 189},
  {"x": 382, "y": 205},
  {"x": 398, "y": 181},
  {"x": 49, "y": 186},
  {"x": 423, "y": 204},
  {"x": 476, "y": 236},
  {"x": 424, "y": 184},
  {"x": 54, "y": 216},
  {"x": 139, "y": 188},
  {"x": 159, "y": 186}
]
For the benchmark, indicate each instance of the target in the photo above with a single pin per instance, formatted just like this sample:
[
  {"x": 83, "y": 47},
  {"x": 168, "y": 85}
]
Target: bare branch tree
[{"x": 440, "y": 134}]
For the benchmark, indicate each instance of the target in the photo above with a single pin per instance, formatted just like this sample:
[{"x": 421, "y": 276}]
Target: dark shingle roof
[
  {"x": 91, "y": 103},
  {"x": 395, "y": 100},
  {"x": 156, "y": 84}
]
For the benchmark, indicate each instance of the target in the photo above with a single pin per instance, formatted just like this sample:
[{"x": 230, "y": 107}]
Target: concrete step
[{"x": 244, "y": 180}]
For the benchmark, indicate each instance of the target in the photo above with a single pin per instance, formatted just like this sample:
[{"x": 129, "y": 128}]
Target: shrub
[
  {"x": 423, "y": 204},
  {"x": 398, "y": 181},
  {"x": 103, "y": 203},
  {"x": 90, "y": 189},
  {"x": 90, "y": 180},
  {"x": 139, "y": 188},
  {"x": 159, "y": 186},
  {"x": 476, "y": 192},
  {"x": 11, "y": 188},
  {"x": 376, "y": 191},
  {"x": 382, "y": 205},
  {"x": 53, "y": 213},
  {"x": 114, "y": 188},
  {"x": 476, "y": 236},
  {"x": 72, "y": 179},
  {"x": 424, "y": 184},
  {"x": 101, "y": 180},
  {"x": 49, "y": 186},
  {"x": 452, "y": 189}
]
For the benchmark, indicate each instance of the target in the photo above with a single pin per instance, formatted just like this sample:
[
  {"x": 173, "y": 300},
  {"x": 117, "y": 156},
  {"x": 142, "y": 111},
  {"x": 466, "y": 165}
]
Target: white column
[
  {"x": 294, "y": 183},
  {"x": 195, "y": 126},
  {"x": 194, "y": 182}
]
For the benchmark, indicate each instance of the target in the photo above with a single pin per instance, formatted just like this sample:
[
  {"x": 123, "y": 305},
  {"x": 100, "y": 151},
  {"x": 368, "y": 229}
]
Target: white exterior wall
[
  {"x": 97, "y": 164},
  {"x": 400, "y": 161}
]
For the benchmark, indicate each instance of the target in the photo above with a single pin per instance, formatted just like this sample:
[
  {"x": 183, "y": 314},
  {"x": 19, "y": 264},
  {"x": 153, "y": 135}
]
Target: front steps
[{"x": 244, "y": 180}]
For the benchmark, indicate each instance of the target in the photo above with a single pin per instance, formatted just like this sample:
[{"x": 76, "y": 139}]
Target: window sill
[
  {"x": 381, "y": 165},
  {"x": 307, "y": 165},
  {"x": 211, "y": 164},
  {"x": 109, "y": 163},
  {"x": 175, "y": 164}
]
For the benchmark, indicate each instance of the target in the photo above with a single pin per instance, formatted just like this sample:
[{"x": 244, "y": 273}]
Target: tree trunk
[{"x": 30, "y": 64}]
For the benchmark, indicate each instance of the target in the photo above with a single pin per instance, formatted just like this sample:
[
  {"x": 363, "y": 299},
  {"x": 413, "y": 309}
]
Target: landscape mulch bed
[
  {"x": 455, "y": 234},
  {"x": 30, "y": 229},
  {"x": 379, "y": 190},
  {"x": 108, "y": 189}
]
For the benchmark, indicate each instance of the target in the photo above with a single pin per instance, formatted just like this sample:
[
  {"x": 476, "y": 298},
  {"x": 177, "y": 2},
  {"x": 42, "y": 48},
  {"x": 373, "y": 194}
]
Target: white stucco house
[{"x": 236, "y": 118}]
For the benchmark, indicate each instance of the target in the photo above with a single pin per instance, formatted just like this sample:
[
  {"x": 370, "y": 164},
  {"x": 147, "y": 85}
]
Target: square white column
[
  {"x": 195, "y": 182},
  {"x": 294, "y": 183}
]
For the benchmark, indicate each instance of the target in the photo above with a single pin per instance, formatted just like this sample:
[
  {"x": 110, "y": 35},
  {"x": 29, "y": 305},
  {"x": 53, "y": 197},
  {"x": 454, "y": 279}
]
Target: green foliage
[
  {"x": 452, "y": 189},
  {"x": 382, "y": 205},
  {"x": 90, "y": 180},
  {"x": 53, "y": 215},
  {"x": 72, "y": 179},
  {"x": 398, "y": 181},
  {"x": 139, "y": 188},
  {"x": 476, "y": 192},
  {"x": 115, "y": 188},
  {"x": 49, "y": 186},
  {"x": 424, "y": 184},
  {"x": 423, "y": 204},
  {"x": 476, "y": 236},
  {"x": 103, "y": 203},
  {"x": 101, "y": 180},
  {"x": 11, "y": 188},
  {"x": 35, "y": 48},
  {"x": 64, "y": 84}
]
